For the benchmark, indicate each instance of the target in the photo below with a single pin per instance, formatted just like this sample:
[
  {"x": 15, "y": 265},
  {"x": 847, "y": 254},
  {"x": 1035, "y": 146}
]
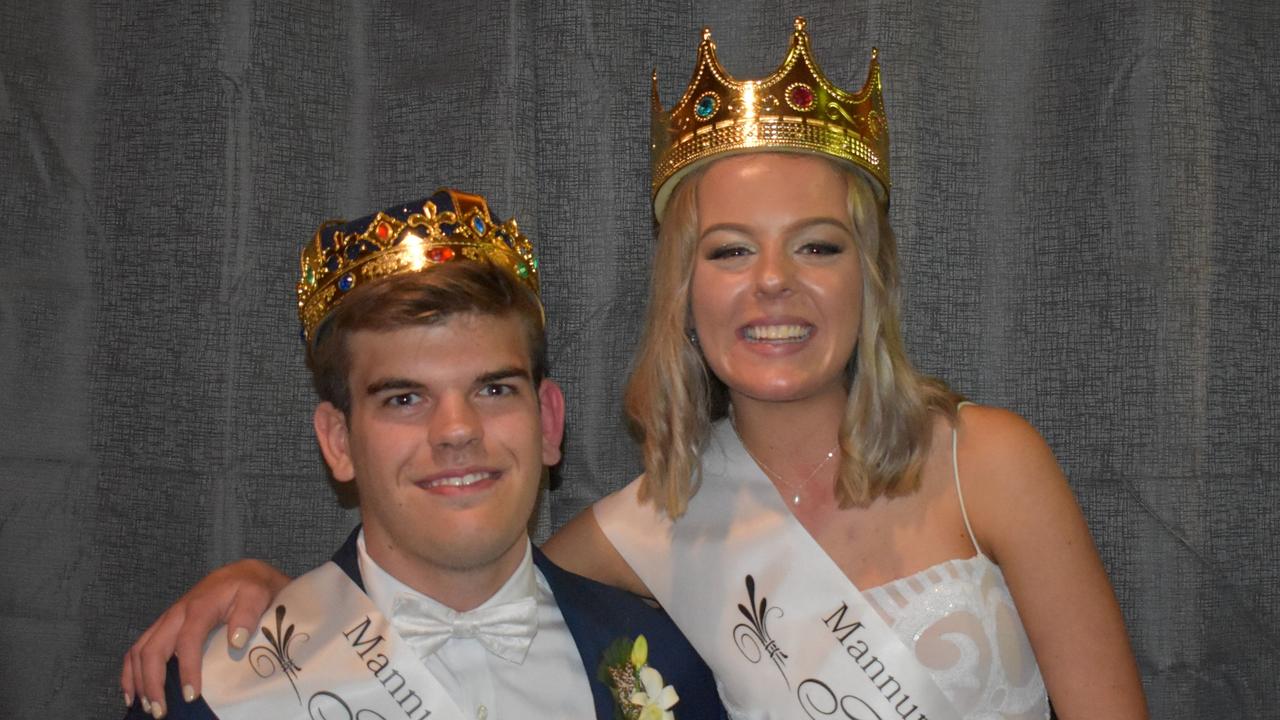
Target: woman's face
[{"x": 776, "y": 294}]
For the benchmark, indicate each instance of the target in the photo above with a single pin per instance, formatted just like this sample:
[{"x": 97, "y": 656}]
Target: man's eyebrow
[
  {"x": 506, "y": 373},
  {"x": 392, "y": 384}
]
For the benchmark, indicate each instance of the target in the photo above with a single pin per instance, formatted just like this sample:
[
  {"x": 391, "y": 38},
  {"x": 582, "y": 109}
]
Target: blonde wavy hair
[{"x": 672, "y": 398}]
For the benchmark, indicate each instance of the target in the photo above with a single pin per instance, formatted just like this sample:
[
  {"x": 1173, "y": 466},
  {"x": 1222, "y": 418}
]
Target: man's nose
[{"x": 455, "y": 422}]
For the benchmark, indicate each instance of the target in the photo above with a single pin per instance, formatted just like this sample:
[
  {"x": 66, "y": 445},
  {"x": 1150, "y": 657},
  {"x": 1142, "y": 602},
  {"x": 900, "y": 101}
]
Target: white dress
[{"x": 957, "y": 618}]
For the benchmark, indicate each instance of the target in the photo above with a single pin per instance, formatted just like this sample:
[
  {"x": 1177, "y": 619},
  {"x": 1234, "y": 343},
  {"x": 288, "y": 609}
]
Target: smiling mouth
[
  {"x": 777, "y": 333},
  {"x": 460, "y": 481}
]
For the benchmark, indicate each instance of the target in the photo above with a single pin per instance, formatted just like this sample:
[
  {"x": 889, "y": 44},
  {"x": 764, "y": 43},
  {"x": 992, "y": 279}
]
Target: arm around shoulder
[
  {"x": 236, "y": 594},
  {"x": 1027, "y": 520}
]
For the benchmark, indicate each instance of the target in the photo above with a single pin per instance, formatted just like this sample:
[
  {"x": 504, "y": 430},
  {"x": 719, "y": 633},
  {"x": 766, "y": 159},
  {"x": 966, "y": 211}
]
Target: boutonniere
[{"x": 637, "y": 688}]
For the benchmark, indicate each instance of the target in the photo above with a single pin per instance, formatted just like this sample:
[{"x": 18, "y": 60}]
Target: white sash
[
  {"x": 322, "y": 652},
  {"x": 785, "y": 631}
]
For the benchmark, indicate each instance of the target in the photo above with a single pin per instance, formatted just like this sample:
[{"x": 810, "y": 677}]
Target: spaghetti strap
[{"x": 955, "y": 470}]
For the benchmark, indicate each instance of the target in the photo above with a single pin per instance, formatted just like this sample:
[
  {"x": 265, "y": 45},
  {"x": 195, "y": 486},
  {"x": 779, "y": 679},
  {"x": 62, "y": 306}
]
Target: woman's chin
[{"x": 787, "y": 390}]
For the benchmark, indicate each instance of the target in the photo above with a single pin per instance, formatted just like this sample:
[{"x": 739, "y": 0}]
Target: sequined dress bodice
[
  {"x": 957, "y": 618},
  {"x": 960, "y": 620}
]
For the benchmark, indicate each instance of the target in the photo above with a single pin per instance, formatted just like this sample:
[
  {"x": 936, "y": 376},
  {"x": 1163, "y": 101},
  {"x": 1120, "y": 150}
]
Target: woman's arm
[
  {"x": 1027, "y": 520},
  {"x": 581, "y": 547},
  {"x": 236, "y": 594}
]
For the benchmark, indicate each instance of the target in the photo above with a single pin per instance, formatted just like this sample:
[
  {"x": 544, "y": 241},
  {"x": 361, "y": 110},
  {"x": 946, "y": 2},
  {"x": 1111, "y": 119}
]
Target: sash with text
[
  {"x": 322, "y": 651},
  {"x": 782, "y": 627}
]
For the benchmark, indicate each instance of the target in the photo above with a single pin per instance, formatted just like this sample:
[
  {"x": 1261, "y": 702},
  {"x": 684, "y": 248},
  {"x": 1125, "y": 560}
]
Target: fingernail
[
  {"x": 146, "y": 705},
  {"x": 157, "y": 710},
  {"x": 239, "y": 638},
  {"x": 188, "y": 693},
  {"x": 128, "y": 700}
]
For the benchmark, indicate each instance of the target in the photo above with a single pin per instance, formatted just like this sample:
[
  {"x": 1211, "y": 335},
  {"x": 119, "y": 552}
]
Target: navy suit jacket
[{"x": 596, "y": 614}]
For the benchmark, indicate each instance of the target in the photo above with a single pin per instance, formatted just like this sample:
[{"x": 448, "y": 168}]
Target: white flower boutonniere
[{"x": 638, "y": 689}]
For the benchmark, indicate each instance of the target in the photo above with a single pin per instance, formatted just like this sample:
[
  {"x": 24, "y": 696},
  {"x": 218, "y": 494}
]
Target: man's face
[{"x": 446, "y": 440}]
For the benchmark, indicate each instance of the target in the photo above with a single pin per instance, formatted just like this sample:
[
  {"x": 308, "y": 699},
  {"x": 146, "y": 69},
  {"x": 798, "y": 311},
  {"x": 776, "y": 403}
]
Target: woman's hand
[{"x": 236, "y": 594}]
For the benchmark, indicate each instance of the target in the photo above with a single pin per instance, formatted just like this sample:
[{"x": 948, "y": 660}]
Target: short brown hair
[{"x": 421, "y": 298}]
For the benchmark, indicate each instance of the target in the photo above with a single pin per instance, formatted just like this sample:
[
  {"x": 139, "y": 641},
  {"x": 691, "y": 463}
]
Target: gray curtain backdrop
[{"x": 1084, "y": 195}]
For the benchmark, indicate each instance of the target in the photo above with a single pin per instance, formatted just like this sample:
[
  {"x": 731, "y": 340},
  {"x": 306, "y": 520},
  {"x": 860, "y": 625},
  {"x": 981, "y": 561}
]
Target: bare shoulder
[
  {"x": 1000, "y": 450},
  {"x": 581, "y": 547},
  {"x": 1027, "y": 520},
  {"x": 993, "y": 433},
  {"x": 1010, "y": 478}
]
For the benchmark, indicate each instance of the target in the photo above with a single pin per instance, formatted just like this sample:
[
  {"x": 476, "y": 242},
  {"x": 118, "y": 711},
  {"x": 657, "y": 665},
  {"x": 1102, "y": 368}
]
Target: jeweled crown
[
  {"x": 794, "y": 109},
  {"x": 449, "y": 225}
]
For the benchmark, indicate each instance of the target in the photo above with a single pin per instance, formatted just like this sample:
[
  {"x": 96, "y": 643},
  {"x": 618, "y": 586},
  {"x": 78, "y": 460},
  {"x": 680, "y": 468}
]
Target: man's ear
[
  {"x": 551, "y": 402},
  {"x": 334, "y": 438}
]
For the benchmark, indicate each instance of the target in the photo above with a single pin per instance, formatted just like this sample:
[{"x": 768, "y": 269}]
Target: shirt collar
[{"x": 382, "y": 587}]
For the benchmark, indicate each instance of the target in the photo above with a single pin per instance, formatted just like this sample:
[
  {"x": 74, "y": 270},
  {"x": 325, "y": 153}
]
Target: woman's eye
[
  {"x": 821, "y": 248},
  {"x": 728, "y": 251}
]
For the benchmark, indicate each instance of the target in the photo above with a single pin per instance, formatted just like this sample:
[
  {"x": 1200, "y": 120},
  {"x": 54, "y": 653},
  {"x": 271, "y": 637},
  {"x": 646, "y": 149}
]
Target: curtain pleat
[{"x": 1084, "y": 196}]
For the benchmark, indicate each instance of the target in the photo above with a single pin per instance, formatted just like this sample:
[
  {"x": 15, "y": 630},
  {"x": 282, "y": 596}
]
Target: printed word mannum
[
  {"x": 395, "y": 683},
  {"x": 873, "y": 667}
]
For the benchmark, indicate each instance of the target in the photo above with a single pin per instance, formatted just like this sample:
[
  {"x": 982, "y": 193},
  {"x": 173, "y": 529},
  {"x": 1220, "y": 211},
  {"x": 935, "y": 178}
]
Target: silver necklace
[{"x": 794, "y": 489}]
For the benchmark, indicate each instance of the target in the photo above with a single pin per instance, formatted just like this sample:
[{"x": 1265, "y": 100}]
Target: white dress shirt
[{"x": 550, "y": 683}]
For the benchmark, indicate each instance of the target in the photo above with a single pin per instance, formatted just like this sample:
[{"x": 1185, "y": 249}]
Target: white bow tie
[{"x": 506, "y": 630}]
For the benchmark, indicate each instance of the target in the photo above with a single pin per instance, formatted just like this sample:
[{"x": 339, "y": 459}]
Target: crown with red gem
[
  {"x": 795, "y": 109},
  {"x": 449, "y": 225}
]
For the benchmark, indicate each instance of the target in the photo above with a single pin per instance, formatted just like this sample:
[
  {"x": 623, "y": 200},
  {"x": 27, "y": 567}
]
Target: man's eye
[
  {"x": 404, "y": 400},
  {"x": 497, "y": 390}
]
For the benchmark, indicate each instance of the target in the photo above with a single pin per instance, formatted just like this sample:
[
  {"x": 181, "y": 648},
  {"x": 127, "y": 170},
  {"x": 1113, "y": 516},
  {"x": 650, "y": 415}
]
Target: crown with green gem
[
  {"x": 450, "y": 225},
  {"x": 794, "y": 109}
]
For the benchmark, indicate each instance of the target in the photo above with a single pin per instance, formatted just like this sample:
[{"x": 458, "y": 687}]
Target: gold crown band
[
  {"x": 794, "y": 109},
  {"x": 450, "y": 225}
]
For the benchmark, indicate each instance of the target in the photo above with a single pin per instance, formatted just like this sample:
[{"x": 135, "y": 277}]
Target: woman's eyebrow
[
  {"x": 726, "y": 227},
  {"x": 815, "y": 221}
]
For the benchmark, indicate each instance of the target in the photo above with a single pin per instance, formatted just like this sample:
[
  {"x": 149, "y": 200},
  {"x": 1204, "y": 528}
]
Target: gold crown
[
  {"x": 449, "y": 225},
  {"x": 795, "y": 109}
]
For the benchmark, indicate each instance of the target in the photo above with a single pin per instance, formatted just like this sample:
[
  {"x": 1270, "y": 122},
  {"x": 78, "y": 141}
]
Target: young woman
[{"x": 838, "y": 535}]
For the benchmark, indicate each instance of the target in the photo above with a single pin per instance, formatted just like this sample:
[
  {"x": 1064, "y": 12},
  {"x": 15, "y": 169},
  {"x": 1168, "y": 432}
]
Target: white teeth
[
  {"x": 461, "y": 480},
  {"x": 775, "y": 333}
]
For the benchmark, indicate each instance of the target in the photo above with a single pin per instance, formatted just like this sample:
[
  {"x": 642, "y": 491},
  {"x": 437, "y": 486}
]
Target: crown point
[
  {"x": 875, "y": 53},
  {"x": 852, "y": 129}
]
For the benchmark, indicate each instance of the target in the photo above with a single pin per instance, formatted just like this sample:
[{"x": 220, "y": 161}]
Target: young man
[{"x": 425, "y": 342}]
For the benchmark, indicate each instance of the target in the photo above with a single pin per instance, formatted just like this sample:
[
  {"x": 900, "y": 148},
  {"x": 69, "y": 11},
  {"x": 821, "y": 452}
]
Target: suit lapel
[
  {"x": 573, "y": 595},
  {"x": 348, "y": 558}
]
